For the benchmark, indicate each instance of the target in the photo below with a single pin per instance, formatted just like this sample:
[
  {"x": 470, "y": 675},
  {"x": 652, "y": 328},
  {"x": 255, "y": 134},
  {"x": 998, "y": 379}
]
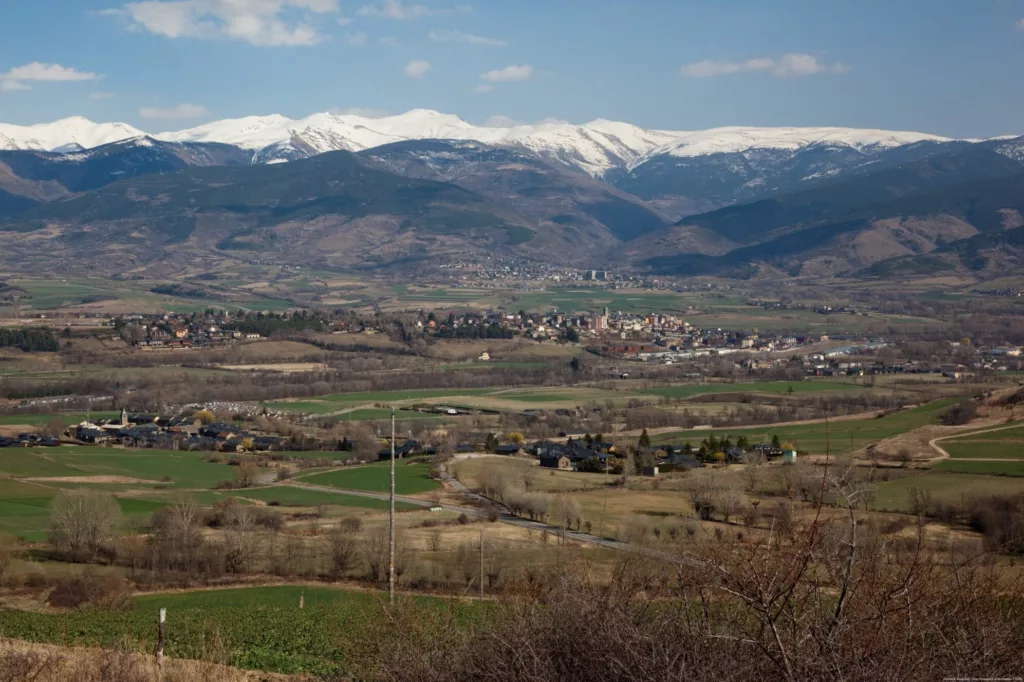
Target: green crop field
[
  {"x": 300, "y": 497},
  {"x": 186, "y": 469},
  {"x": 410, "y": 479},
  {"x": 967, "y": 466},
  {"x": 40, "y": 419},
  {"x": 844, "y": 436},
  {"x": 948, "y": 488},
  {"x": 263, "y": 628},
  {"x": 810, "y": 386},
  {"x": 984, "y": 449}
]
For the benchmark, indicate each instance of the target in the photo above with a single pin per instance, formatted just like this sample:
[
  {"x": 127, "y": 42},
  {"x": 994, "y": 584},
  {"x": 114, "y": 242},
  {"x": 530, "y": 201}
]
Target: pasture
[
  {"x": 410, "y": 478},
  {"x": 837, "y": 436},
  {"x": 261, "y": 628}
]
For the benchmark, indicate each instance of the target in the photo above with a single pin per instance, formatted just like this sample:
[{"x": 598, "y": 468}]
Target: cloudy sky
[{"x": 951, "y": 67}]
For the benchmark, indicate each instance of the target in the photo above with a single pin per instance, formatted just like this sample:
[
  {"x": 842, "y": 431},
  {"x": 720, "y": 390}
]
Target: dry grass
[{"x": 29, "y": 662}]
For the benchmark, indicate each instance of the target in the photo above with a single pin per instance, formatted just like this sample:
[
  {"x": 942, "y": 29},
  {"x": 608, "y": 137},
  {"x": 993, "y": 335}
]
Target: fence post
[{"x": 160, "y": 638}]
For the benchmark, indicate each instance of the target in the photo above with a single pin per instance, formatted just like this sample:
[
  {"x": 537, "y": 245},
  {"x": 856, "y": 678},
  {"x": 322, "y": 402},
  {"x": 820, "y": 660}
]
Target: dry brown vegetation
[{"x": 30, "y": 662}]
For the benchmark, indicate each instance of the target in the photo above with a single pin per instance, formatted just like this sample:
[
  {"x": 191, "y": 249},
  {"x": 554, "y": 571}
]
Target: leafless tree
[{"x": 81, "y": 520}]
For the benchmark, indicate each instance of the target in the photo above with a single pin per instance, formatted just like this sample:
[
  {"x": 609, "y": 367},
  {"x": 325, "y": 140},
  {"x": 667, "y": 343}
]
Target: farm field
[
  {"x": 410, "y": 479},
  {"x": 41, "y": 419},
  {"x": 811, "y": 386},
  {"x": 841, "y": 436},
  {"x": 264, "y": 627},
  {"x": 967, "y": 466},
  {"x": 948, "y": 488},
  {"x": 984, "y": 449},
  {"x": 289, "y": 496}
]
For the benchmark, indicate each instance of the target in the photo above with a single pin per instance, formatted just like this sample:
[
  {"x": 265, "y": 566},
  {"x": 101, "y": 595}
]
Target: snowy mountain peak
[
  {"x": 595, "y": 147},
  {"x": 73, "y": 132}
]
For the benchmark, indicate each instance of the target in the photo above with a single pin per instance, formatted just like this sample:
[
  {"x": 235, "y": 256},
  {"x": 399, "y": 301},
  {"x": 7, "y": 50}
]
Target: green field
[
  {"x": 410, "y": 479},
  {"x": 25, "y": 509},
  {"x": 844, "y": 436},
  {"x": 968, "y": 466},
  {"x": 340, "y": 401},
  {"x": 299, "y": 497},
  {"x": 186, "y": 469},
  {"x": 809, "y": 386},
  {"x": 984, "y": 449},
  {"x": 41, "y": 419},
  {"x": 263, "y": 628},
  {"x": 948, "y": 488}
]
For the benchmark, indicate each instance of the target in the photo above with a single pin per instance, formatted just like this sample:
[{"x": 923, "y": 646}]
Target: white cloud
[
  {"x": 37, "y": 71},
  {"x": 509, "y": 74},
  {"x": 396, "y": 9},
  {"x": 40, "y": 72},
  {"x": 388, "y": 41},
  {"x": 365, "y": 112},
  {"x": 8, "y": 86},
  {"x": 100, "y": 95},
  {"x": 344, "y": 21},
  {"x": 417, "y": 68},
  {"x": 257, "y": 22},
  {"x": 499, "y": 121},
  {"x": 483, "y": 88},
  {"x": 179, "y": 111},
  {"x": 792, "y": 64},
  {"x": 355, "y": 39},
  {"x": 468, "y": 38}
]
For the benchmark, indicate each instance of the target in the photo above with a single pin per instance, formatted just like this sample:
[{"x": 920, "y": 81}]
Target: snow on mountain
[
  {"x": 737, "y": 139},
  {"x": 596, "y": 147},
  {"x": 66, "y": 134}
]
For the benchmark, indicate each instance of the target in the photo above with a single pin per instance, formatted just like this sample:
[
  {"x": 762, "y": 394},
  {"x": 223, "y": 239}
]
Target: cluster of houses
[
  {"x": 25, "y": 440},
  {"x": 173, "y": 433}
]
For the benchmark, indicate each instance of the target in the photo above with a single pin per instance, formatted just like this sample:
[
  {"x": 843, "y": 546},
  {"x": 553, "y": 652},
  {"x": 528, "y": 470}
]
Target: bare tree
[
  {"x": 10, "y": 551},
  {"x": 343, "y": 551},
  {"x": 81, "y": 520}
]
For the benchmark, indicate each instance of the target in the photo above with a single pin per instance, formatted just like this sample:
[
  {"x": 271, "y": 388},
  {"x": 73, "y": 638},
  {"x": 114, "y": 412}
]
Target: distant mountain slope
[
  {"x": 556, "y": 198},
  {"x": 328, "y": 209},
  {"x": 849, "y": 225},
  {"x": 690, "y": 184},
  {"x": 100, "y": 166},
  {"x": 989, "y": 252}
]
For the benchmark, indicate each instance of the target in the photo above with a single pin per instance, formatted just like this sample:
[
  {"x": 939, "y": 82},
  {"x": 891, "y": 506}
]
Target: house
[
  {"x": 789, "y": 456},
  {"x": 556, "y": 462},
  {"x": 90, "y": 433},
  {"x": 679, "y": 462},
  {"x": 735, "y": 455},
  {"x": 511, "y": 449},
  {"x": 406, "y": 449}
]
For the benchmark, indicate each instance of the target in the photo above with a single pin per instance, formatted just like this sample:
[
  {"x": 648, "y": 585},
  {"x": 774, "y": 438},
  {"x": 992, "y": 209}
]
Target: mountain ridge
[{"x": 596, "y": 147}]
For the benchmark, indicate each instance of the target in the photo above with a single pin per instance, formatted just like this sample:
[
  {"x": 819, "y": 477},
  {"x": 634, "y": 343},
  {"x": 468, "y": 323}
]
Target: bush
[
  {"x": 961, "y": 413},
  {"x": 109, "y": 592}
]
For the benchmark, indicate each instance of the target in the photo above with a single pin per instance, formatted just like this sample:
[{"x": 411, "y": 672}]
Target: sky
[{"x": 949, "y": 67}]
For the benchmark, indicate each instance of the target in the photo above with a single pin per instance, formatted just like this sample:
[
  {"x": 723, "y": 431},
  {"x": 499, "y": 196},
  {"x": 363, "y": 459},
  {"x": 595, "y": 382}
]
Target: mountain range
[{"x": 359, "y": 191}]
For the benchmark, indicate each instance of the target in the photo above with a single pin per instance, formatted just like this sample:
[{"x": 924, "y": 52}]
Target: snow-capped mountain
[
  {"x": 597, "y": 147},
  {"x": 732, "y": 140},
  {"x": 68, "y": 134}
]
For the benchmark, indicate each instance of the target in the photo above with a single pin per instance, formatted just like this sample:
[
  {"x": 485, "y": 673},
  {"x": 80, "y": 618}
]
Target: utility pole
[
  {"x": 481, "y": 563},
  {"x": 391, "y": 517}
]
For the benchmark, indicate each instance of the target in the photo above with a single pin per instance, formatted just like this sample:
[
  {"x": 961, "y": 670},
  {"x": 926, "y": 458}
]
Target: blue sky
[{"x": 950, "y": 67}]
